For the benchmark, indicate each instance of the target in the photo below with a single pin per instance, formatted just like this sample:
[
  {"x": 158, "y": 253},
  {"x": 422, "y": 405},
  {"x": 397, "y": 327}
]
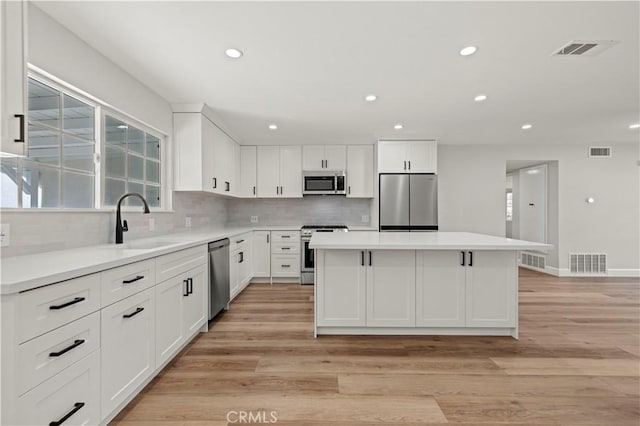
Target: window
[
  {"x": 509, "y": 205},
  {"x": 132, "y": 163},
  {"x": 68, "y": 134}
]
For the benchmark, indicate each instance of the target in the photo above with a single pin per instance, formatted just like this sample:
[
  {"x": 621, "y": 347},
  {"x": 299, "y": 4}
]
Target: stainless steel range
[{"x": 306, "y": 258}]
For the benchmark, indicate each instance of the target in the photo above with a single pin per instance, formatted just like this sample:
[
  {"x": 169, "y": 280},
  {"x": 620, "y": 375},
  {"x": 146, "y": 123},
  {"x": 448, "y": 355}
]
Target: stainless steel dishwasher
[{"x": 218, "y": 276}]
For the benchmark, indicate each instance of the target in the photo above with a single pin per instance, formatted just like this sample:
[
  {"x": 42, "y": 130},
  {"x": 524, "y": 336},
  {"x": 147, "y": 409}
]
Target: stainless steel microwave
[{"x": 324, "y": 183}]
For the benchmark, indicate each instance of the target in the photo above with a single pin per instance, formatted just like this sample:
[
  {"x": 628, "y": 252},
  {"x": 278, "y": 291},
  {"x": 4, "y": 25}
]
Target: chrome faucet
[{"x": 120, "y": 227}]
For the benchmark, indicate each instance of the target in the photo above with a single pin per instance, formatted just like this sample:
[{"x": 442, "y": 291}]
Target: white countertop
[
  {"x": 19, "y": 273},
  {"x": 419, "y": 241}
]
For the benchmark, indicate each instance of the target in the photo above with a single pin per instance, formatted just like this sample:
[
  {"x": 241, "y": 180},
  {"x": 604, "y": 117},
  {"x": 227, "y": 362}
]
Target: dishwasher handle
[{"x": 218, "y": 244}]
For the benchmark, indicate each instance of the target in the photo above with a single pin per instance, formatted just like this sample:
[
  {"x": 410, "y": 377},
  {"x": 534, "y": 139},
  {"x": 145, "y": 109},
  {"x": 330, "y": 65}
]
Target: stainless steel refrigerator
[{"x": 408, "y": 202}]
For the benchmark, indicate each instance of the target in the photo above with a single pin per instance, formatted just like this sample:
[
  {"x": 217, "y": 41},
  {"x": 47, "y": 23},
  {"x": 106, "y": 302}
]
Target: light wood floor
[{"x": 577, "y": 362}]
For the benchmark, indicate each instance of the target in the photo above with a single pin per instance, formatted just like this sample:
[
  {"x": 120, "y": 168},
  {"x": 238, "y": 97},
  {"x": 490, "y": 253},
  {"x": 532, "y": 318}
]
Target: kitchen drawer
[
  {"x": 49, "y": 307},
  {"x": 75, "y": 392},
  {"x": 118, "y": 283},
  {"x": 47, "y": 355},
  {"x": 285, "y": 248},
  {"x": 285, "y": 237},
  {"x": 173, "y": 264},
  {"x": 240, "y": 241},
  {"x": 283, "y": 265},
  {"x": 128, "y": 347}
]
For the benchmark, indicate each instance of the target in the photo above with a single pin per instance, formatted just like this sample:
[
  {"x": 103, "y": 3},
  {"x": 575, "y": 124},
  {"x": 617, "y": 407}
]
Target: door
[
  {"x": 234, "y": 274},
  {"x": 169, "y": 318},
  {"x": 421, "y": 156},
  {"x": 248, "y": 170},
  {"x": 440, "y": 288},
  {"x": 313, "y": 157},
  {"x": 533, "y": 204},
  {"x": 342, "y": 290},
  {"x": 291, "y": 171},
  {"x": 392, "y": 157},
  {"x": 268, "y": 161},
  {"x": 261, "y": 254},
  {"x": 492, "y": 286},
  {"x": 335, "y": 157},
  {"x": 195, "y": 305},
  {"x": 218, "y": 149},
  {"x": 423, "y": 202},
  {"x": 13, "y": 20},
  {"x": 128, "y": 347},
  {"x": 360, "y": 171},
  {"x": 391, "y": 288},
  {"x": 394, "y": 202}
]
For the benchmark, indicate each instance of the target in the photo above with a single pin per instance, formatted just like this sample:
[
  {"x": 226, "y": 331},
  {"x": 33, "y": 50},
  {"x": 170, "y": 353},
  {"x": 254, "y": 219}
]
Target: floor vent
[
  {"x": 588, "y": 263},
  {"x": 584, "y": 48},
  {"x": 533, "y": 260},
  {"x": 600, "y": 151}
]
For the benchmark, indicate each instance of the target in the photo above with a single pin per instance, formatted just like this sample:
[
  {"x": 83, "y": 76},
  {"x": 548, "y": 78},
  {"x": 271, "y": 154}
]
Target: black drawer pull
[
  {"x": 285, "y": 236},
  {"x": 133, "y": 280},
  {"x": 463, "y": 258},
  {"x": 186, "y": 287},
  {"x": 21, "y": 117},
  {"x": 241, "y": 257},
  {"x": 189, "y": 286},
  {"x": 362, "y": 258},
  {"x": 67, "y": 349},
  {"x": 470, "y": 258},
  {"x": 64, "y": 305},
  {"x": 286, "y": 266},
  {"x": 239, "y": 241},
  {"x": 286, "y": 248},
  {"x": 76, "y": 407},
  {"x": 133, "y": 314},
  {"x": 214, "y": 183}
]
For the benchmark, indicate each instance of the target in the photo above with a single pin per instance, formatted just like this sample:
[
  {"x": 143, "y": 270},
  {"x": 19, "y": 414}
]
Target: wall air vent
[
  {"x": 584, "y": 47},
  {"x": 600, "y": 151},
  {"x": 588, "y": 263},
  {"x": 533, "y": 260}
]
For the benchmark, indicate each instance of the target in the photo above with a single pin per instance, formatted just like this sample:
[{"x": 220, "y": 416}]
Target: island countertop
[{"x": 373, "y": 240}]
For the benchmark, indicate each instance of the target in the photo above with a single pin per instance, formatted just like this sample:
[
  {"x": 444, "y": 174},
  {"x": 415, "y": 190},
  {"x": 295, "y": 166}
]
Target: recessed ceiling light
[
  {"x": 480, "y": 98},
  {"x": 370, "y": 98},
  {"x": 123, "y": 126},
  {"x": 635, "y": 126},
  {"x": 273, "y": 126},
  {"x": 527, "y": 126},
  {"x": 233, "y": 53},
  {"x": 469, "y": 50},
  {"x": 398, "y": 126}
]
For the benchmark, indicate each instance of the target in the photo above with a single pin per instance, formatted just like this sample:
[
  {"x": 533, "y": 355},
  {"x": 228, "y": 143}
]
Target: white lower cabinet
[
  {"x": 440, "y": 289},
  {"x": 196, "y": 304},
  {"x": 71, "y": 397},
  {"x": 492, "y": 289},
  {"x": 341, "y": 289},
  {"x": 262, "y": 254},
  {"x": 128, "y": 348},
  {"x": 391, "y": 288}
]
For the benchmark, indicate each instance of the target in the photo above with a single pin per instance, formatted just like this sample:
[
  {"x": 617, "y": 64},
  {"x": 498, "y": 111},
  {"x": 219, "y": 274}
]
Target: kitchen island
[{"x": 426, "y": 283}]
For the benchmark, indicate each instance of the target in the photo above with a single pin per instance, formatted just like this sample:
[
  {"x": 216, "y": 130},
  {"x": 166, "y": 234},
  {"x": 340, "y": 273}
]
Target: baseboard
[
  {"x": 618, "y": 273},
  {"x": 631, "y": 273},
  {"x": 547, "y": 270}
]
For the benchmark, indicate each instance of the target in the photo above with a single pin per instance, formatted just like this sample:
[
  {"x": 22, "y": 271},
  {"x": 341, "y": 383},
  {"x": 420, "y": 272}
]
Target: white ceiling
[{"x": 308, "y": 65}]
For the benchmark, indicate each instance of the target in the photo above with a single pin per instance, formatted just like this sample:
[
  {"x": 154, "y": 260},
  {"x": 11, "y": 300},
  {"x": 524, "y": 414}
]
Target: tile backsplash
[{"x": 37, "y": 231}]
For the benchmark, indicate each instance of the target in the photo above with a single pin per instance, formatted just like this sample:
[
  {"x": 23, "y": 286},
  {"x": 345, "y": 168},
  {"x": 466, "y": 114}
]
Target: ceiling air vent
[
  {"x": 600, "y": 151},
  {"x": 584, "y": 48}
]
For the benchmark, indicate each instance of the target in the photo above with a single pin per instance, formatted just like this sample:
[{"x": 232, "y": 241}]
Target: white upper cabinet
[
  {"x": 206, "y": 158},
  {"x": 360, "y": 171},
  {"x": 407, "y": 157},
  {"x": 324, "y": 157},
  {"x": 248, "y": 171},
  {"x": 279, "y": 171},
  {"x": 13, "y": 125}
]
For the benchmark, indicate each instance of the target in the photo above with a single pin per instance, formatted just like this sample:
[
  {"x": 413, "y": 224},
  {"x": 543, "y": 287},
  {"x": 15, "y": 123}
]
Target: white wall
[
  {"x": 61, "y": 53},
  {"x": 471, "y": 196}
]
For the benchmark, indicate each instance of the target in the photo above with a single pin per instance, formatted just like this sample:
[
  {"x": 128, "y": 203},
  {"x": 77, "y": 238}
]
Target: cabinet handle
[
  {"x": 64, "y": 305},
  {"x": 362, "y": 258},
  {"x": 214, "y": 183},
  {"x": 241, "y": 258},
  {"x": 286, "y": 248},
  {"x": 227, "y": 186},
  {"x": 76, "y": 407},
  {"x": 75, "y": 344},
  {"x": 369, "y": 258},
  {"x": 133, "y": 314},
  {"x": 349, "y": 189},
  {"x": 405, "y": 165},
  {"x": 285, "y": 236},
  {"x": 277, "y": 190},
  {"x": 281, "y": 189},
  {"x": 409, "y": 164},
  {"x": 21, "y": 118},
  {"x": 239, "y": 241},
  {"x": 463, "y": 258},
  {"x": 189, "y": 286},
  {"x": 470, "y": 258},
  {"x": 268, "y": 238},
  {"x": 286, "y": 266},
  {"x": 254, "y": 190},
  {"x": 133, "y": 280},
  {"x": 186, "y": 287}
]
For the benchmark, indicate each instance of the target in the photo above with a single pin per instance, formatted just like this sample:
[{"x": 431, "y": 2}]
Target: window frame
[{"x": 101, "y": 109}]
